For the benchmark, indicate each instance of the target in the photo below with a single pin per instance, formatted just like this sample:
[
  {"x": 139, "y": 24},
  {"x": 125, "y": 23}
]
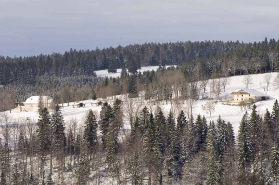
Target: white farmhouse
[
  {"x": 240, "y": 95},
  {"x": 32, "y": 103}
]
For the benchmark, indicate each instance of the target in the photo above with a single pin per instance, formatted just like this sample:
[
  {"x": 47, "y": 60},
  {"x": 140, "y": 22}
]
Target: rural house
[
  {"x": 32, "y": 103},
  {"x": 240, "y": 95}
]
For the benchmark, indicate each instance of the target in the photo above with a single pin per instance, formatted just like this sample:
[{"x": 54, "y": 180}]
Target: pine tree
[
  {"x": 148, "y": 145},
  {"x": 112, "y": 147},
  {"x": 170, "y": 144},
  {"x": 266, "y": 135},
  {"x": 160, "y": 132},
  {"x": 124, "y": 72},
  {"x": 135, "y": 131},
  {"x": 90, "y": 132},
  {"x": 32, "y": 180},
  {"x": 201, "y": 127},
  {"x": 58, "y": 135},
  {"x": 255, "y": 130},
  {"x": 49, "y": 180},
  {"x": 117, "y": 115},
  {"x": 275, "y": 121},
  {"x": 3, "y": 179},
  {"x": 222, "y": 134},
  {"x": 44, "y": 137},
  {"x": 183, "y": 137},
  {"x": 193, "y": 137},
  {"x": 83, "y": 170},
  {"x": 105, "y": 118},
  {"x": 213, "y": 175},
  {"x": 144, "y": 119},
  {"x": 244, "y": 145},
  {"x": 136, "y": 171},
  {"x": 181, "y": 123},
  {"x": 275, "y": 162},
  {"x": 15, "y": 175}
]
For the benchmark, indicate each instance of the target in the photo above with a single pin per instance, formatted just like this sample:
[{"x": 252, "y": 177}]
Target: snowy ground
[
  {"x": 227, "y": 112},
  {"x": 104, "y": 73}
]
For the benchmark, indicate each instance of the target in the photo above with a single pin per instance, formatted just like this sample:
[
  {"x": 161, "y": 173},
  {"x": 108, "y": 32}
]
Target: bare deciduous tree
[
  {"x": 224, "y": 82},
  {"x": 131, "y": 108},
  {"x": 218, "y": 88},
  {"x": 267, "y": 79},
  {"x": 276, "y": 81},
  {"x": 209, "y": 107},
  {"x": 247, "y": 80}
]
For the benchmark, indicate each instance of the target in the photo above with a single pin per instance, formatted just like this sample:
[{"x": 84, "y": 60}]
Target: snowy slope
[{"x": 227, "y": 112}]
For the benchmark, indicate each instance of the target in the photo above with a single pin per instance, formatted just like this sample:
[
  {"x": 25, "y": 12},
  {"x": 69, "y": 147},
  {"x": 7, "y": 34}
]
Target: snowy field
[
  {"x": 104, "y": 73},
  {"x": 227, "y": 112}
]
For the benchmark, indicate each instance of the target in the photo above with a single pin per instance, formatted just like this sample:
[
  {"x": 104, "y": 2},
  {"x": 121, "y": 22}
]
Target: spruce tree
[
  {"x": 144, "y": 119},
  {"x": 170, "y": 144},
  {"x": 112, "y": 147},
  {"x": 201, "y": 127},
  {"x": 3, "y": 179},
  {"x": 44, "y": 137},
  {"x": 83, "y": 170},
  {"x": 181, "y": 123},
  {"x": 49, "y": 180},
  {"x": 222, "y": 134},
  {"x": 213, "y": 175},
  {"x": 244, "y": 145},
  {"x": 255, "y": 131},
  {"x": 90, "y": 132},
  {"x": 148, "y": 145},
  {"x": 58, "y": 131},
  {"x": 105, "y": 118},
  {"x": 275, "y": 162},
  {"x": 160, "y": 130},
  {"x": 266, "y": 135},
  {"x": 275, "y": 121}
]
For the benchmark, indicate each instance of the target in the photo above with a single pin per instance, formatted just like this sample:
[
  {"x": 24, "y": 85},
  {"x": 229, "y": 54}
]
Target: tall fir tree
[
  {"x": 275, "y": 162},
  {"x": 90, "y": 133},
  {"x": 144, "y": 119},
  {"x": 244, "y": 146},
  {"x": 213, "y": 175},
  {"x": 170, "y": 145},
  {"x": 255, "y": 130},
  {"x": 44, "y": 132},
  {"x": 105, "y": 118}
]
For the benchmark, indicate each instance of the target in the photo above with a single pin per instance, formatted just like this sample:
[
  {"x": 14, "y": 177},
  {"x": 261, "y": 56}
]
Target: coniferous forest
[{"x": 159, "y": 149}]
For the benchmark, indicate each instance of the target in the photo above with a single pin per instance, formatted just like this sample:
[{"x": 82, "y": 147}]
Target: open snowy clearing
[
  {"x": 104, "y": 73},
  {"x": 228, "y": 112}
]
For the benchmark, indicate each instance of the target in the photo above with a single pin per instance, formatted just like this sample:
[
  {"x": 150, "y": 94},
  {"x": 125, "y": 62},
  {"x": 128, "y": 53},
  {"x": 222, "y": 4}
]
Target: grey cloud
[{"x": 31, "y": 27}]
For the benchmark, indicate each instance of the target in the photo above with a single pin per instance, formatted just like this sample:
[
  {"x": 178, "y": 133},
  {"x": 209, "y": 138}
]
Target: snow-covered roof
[
  {"x": 250, "y": 91},
  {"x": 35, "y": 99}
]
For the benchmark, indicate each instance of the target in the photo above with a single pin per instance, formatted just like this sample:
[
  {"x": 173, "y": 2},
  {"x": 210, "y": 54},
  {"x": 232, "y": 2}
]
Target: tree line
[{"x": 158, "y": 149}]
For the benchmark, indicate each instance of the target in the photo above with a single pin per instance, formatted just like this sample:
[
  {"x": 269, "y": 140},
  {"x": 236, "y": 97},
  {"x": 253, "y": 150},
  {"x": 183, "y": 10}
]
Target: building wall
[
  {"x": 236, "y": 98},
  {"x": 34, "y": 107}
]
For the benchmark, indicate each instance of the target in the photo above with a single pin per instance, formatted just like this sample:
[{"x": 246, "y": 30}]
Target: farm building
[
  {"x": 32, "y": 103},
  {"x": 240, "y": 95}
]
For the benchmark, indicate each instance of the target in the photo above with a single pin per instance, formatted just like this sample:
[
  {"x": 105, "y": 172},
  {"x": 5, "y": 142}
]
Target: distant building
[
  {"x": 247, "y": 95},
  {"x": 32, "y": 103}
]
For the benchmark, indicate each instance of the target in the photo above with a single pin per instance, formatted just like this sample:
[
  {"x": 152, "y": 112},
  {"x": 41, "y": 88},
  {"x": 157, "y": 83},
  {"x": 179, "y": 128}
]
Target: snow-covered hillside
[{"x": 227, "y": 112}]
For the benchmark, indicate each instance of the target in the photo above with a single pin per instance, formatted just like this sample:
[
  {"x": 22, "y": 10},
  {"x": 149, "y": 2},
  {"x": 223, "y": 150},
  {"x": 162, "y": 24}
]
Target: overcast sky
[{"x": 31, "y": 27}]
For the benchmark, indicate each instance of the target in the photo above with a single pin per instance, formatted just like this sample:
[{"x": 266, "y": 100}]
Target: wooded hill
[{"x": 237, "y": 57}]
